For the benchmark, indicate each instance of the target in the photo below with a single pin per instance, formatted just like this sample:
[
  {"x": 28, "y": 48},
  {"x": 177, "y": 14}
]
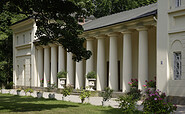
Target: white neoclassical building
[{"x": 141, "y": 43}]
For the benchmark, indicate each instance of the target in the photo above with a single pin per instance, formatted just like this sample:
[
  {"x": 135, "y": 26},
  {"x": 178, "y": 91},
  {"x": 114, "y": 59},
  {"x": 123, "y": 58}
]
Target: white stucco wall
[{"x": 23, "y": 53}]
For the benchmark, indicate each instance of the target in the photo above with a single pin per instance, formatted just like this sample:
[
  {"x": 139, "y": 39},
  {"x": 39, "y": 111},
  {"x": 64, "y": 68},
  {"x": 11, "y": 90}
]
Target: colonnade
[{"x": 48, "y": 58}]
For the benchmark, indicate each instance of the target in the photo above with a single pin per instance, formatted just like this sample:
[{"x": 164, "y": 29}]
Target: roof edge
[{"x": 138, "y": 17}]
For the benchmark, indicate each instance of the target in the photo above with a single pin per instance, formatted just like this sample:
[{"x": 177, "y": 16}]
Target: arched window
[{"x": 177, "y": 65}]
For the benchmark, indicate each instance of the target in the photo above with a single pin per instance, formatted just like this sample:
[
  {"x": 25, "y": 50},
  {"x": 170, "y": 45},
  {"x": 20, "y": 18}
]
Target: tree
[
  {"x": 108, "y": 7},
  {"x": 6, "y": 39},
  {"x": 56, "y": 21}
]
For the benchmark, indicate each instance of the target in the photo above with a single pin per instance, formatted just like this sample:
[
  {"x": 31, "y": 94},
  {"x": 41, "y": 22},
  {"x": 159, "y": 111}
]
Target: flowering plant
[
  {"x": 151, "y": 83},
  {"x": 155, "y": 103},
  {"x": 49, "y": 82},
  {"x": 133, "y": 83},
  {"x": 42, "y": 81}
]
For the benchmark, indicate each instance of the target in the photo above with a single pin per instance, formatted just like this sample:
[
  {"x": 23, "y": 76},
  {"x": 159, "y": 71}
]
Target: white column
[
  {"x": 101, "y": 64},
  {"x": 142, "y": 57},
  {"x": 53, "y": 63},
  {"x": 70, "y": 69},
  {"x": 90, "y": 61},
  {"x": 40, "y": 65},
  {"x": 79, "y": 82},
  {"x": 113, "y": 62},
  {"x": 127, "y": 60},
  {"x": 15, "y": 67},
  {"x": 46, "y": 65},
  {"x": 61, "y": 59}
]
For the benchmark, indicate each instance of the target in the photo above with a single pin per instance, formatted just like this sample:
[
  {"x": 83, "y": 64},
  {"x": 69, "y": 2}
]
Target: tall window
[
  {"x": 24, "y": 39},
  {"x": 17, "y": 40},
  {"x": 178, "y": 3},
  {"x": 177, "y": 66}
]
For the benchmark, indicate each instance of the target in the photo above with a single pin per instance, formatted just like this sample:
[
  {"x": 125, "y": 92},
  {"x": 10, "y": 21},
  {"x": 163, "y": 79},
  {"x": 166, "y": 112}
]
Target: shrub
[
  {"x": 42, "y": 81},
  {"x": 155, "y": 103},
  {"x": 136, "y": 93},
  {"x": 133, "y": 83},
  {"x": 67, "y": 90},
  {"x": 127, "y": 103},
  {"x": 9, "y": 85},
  {"x": 62, "y": 74},
  {"x": 28, "y": 90},
  {"x": 84, "y": 94},
  {"x": 107, "y": 94},
  {"x": 91, "y": 75},
  {"x": 150, "y": 84}
]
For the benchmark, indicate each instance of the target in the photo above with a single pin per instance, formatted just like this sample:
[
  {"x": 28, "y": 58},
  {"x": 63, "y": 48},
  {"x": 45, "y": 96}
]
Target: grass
[{"x": 24, "y": 104}]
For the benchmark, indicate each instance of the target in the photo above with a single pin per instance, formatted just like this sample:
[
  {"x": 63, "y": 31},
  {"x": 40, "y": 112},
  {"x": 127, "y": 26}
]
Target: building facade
[{"x": 142, "y": 43}]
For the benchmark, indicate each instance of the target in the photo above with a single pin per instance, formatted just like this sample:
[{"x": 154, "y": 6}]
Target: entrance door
[{"x": 119, "y": 86}]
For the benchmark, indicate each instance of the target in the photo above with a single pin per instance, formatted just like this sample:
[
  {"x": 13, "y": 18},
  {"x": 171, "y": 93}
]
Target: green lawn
[{"x": 24, "y": 104}]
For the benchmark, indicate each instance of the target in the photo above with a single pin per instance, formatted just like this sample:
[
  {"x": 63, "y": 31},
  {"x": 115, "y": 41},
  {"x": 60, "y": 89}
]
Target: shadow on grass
[
  {"x": 119, "y": 111},
  {"x": 25, "y": 104}
]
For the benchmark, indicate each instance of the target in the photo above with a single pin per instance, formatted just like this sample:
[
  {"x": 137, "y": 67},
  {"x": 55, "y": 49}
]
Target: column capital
[
  {"x": 52, "y": 45},
  {"x": 114, "y": 34},
  {"x": 101, "y": 36},
  {"x": 39, "y": 47},
  {"x": 142, "y": 28},
  {"x": 45, "y": 46},
  {"x": 90, "y": 38},
  {"x": 126, "y": 32}
]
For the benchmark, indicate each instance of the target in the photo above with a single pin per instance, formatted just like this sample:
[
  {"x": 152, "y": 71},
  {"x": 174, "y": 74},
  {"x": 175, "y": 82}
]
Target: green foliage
[
  {"x": 6, "y": 43},
  {"x": 84, "y": 94},
  {"x": 28, "y": 90},
  {"x": 62, "y": 74},
  {"x": 127, "y": 103},
  {"x": 9, "y": 85},
  {"x": 135, "y": 93},
  {"x": 108, "y": 7},
  {"x": 51, "y": 86},
  {"x": 155, "y": 103},
  {"x": 56, "y": 21},
  {"x": 150, "y": 84},
  {"x": 133, "y": 83},
  {"x": 107, "y": 94},
  {"x": 67, "y": 90},
  {"x": 91, "y": 75},
  {"x": 19, "y": 90}
]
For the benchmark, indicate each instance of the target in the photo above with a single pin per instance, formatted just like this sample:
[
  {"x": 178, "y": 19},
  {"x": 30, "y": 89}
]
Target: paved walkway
[{"x": 91, "y": 100}]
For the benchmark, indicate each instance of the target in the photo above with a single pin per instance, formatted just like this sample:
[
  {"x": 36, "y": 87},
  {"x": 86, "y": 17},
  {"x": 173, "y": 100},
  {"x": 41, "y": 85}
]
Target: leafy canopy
[{"x": 56, "y": 21}]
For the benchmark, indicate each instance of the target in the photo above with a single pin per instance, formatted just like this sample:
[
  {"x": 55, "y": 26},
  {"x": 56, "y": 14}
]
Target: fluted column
[
  {"x": 70, "y": 69},
  {"x": 79, "y": 82},
  {"x": 61, "y": 58},
  {"x": 40, "y": 64},
  {"x": 143, "y": 57},
  {"x": 90, "y": 61},
  {"x": 101, "y": 64},
  {"x": 53, "y": 63},
  {"x": 46, "y": 65},
  {"x": 113, "y": 62},
  {"x": 127, "y": 60}
]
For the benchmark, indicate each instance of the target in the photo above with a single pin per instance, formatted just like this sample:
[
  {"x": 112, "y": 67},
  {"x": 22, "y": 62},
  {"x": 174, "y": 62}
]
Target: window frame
[
  {"x": 177, "y": 66},
  {"x": 177, "y": 3}
]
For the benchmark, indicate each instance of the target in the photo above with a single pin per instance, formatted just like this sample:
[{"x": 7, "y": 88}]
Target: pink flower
[{"x": 155, "y": 99}]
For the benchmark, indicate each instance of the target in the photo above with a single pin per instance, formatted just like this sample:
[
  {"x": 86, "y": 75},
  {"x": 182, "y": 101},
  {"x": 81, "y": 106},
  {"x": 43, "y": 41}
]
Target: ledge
[
  {"x": 172, "y": 31},
  {"x": 177, "y": 9},
  {"x": 23, "y": 46}
]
